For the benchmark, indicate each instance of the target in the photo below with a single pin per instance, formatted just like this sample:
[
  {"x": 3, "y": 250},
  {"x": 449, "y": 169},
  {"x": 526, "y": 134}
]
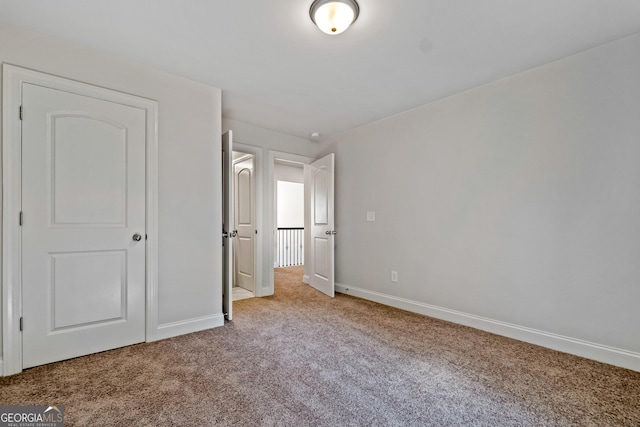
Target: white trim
[
  {"x": 602, "y": 353},
  {"x": 269, "y": 213},
  {"x": 13, "y": 77},
  {"x": 188, "y": 326},
  {"x": 152, "y": 222},
  {"x": 258, "y": 156},
  {"x": 305, "y": 279},
  {"x": 11, "y": 203}
]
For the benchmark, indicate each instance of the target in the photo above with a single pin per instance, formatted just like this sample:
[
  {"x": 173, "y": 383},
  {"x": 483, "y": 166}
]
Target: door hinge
[
  {"x": 20, "y": 219},
  {"x": 21, "y": 112},
  {"x": 21, "y": 324}
]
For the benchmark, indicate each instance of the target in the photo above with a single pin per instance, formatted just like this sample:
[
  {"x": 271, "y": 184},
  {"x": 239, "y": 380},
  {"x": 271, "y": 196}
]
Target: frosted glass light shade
[{"x": 334, "y": 16}]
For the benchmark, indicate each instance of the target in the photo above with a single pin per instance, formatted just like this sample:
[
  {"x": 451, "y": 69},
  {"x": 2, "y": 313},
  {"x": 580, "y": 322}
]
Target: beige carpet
[{"x": 300, "y": 358}]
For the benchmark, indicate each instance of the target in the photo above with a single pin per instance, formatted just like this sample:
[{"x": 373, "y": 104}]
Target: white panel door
[
  {"x": 227, "y": 218},
  {"x": 245, "y": 212},
  {"x": 319, "y": 177},
  {"x": 83, "y": 203}
]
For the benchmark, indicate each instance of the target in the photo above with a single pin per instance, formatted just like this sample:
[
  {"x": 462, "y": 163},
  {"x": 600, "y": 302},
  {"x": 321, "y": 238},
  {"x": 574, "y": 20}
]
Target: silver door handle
[
  {"x": 230, "y": 234},
  {"x": 327, "y": 232},
  {"x": 330, "y": 232},
  {"x": 137, "y": 237}
]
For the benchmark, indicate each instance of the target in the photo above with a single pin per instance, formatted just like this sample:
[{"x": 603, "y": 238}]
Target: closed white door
[
  {"x": 227, "y": 219},
  {"x": 83, "y": 232},
  {"x": 319, "y": 176},
  {"x": 245, "y": 210}
]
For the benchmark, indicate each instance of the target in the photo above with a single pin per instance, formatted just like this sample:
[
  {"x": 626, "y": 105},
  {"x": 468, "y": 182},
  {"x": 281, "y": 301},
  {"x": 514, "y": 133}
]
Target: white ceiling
[{"x": 278, "y": 71}]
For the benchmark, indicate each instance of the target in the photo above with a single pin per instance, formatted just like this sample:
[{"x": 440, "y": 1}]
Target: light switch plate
[
  {"x": 371, "y": 216},
  {"x": 394, "y": 276}
]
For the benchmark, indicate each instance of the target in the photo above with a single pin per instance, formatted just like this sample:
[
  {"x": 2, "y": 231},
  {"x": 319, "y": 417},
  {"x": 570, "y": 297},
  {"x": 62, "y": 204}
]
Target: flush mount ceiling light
[{"x": 334, "y": 16}]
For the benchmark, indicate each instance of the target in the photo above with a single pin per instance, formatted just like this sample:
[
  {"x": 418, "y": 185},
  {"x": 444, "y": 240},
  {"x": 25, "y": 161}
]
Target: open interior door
[
  {"x": 227, "y": 218},
  {"x": 319, "y": 178}
]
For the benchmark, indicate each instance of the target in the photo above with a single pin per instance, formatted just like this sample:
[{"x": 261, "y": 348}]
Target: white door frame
[
  {"x": 13, "y": 77},
  {"x": 270, "y": 213}
]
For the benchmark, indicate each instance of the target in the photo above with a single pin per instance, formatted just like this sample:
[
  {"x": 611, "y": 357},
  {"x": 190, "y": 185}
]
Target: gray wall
[
  {"x": 189, "y": 282},
  {"x": 515, "y": 203},
  {"x": 288, "y": 173},
  {"x": 268, "y": 139}
]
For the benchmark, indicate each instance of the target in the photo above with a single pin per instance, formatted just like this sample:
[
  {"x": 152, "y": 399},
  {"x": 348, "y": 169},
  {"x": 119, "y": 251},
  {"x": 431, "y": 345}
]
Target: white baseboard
[
  {"x": 188, "y": 326},
  {"x": 305, "y": 279},
  {"x": 601, "y": 353}
]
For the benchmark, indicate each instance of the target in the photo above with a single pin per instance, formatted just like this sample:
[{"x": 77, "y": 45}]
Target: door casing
[{"x": 13, "y": 78}]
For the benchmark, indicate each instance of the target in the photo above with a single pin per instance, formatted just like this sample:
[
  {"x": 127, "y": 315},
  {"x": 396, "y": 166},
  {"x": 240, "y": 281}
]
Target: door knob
[
  {"x": 137, "y": 237},
  {"x": 327, "y": 232}
]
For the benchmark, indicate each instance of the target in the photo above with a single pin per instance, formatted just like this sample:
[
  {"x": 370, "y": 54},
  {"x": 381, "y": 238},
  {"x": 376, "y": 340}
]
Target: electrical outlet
[
  {"x": 394, "y": 276},
  {"x": 371, "y": 216}
]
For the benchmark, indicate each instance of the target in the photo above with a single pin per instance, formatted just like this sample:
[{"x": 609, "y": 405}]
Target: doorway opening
[
  {"x": 317, "y": 179},
  {"x": 289, "y": 215},
  {"x": 244, "y": 225}
]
